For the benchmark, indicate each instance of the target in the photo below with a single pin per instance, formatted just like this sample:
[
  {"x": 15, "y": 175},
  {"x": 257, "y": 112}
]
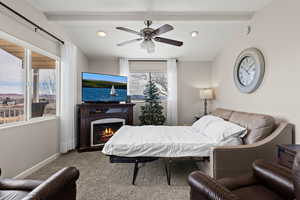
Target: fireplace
[{"x": 102, "y": 130}]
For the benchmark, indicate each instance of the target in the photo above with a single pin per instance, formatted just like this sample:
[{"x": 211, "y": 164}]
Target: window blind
[{"x": 136, "y": 66}]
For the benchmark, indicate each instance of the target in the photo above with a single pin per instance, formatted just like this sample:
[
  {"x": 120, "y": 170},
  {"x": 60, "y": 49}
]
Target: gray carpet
[{"x": 99, "y": 179}]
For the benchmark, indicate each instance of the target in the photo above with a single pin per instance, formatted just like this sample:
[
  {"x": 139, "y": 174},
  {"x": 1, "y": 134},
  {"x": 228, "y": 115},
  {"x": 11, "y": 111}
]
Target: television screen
[{"x": 103, "y": 88}]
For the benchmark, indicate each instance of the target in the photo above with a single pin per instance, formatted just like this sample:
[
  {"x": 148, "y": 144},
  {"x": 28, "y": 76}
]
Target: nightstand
[{"x": 286, "y": 154}]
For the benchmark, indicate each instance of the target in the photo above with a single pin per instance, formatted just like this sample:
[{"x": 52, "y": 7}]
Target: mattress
[{"x": 160, "y": 141}]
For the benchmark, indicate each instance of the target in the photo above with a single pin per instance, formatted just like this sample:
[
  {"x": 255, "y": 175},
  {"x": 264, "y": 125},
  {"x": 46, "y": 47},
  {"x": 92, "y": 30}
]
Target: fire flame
[{"x": 108, "y": 132}]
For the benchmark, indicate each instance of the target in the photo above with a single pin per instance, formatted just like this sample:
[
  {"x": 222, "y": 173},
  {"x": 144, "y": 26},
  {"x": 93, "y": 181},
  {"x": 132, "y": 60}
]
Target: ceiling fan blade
[
  {"x": 168, "y": 41},
  {"x": 129, "y": 41},
  {"x": 163, "y": 29},
  {"x": 128, "y": 30}
]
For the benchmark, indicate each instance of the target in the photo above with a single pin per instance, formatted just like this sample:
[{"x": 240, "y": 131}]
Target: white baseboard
[{"x": 36, "y": 167}]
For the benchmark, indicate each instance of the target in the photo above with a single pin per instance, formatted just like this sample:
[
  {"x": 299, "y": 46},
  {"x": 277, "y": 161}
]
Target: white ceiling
[
  {"x": 218, "y": 22},
  {"x": 212, "y": 37},
  {"x": 148, "y": 5}
]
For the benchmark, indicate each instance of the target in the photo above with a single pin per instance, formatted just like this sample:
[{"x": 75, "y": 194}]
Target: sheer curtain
[
  {"x": 68, "y": 97},
  {"x": 124, "y": 70},
  {"x": 172, "y": 116},
  {"x": 124, "y": 67}
]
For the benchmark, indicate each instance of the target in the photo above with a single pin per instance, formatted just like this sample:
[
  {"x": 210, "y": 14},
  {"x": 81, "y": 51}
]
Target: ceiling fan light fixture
[
  {"x": 149, "y": 36},
  {"x": 148, "y": 45},
  {"x": 143, "y": 44},
  {"x": 151, "y": 50}
]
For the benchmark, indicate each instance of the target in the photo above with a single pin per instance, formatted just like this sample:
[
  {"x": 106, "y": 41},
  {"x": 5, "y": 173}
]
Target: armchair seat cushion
[
  {"x": 12, "y": 194},
  {"x": 256, "y": 192}
]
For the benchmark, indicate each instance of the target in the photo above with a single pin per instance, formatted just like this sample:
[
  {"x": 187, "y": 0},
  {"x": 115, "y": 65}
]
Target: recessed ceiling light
[
  {"x": 101, "y": 34},
  {"x": 194, "y": 33}
]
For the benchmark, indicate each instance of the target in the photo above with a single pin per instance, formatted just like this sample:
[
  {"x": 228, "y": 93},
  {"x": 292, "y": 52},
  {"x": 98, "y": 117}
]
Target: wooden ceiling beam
[{"x": 39, "y": 61}]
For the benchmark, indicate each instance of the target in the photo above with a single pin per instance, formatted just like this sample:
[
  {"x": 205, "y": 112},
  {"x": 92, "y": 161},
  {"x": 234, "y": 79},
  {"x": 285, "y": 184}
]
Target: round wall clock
[{"x": 249, "y": 70}]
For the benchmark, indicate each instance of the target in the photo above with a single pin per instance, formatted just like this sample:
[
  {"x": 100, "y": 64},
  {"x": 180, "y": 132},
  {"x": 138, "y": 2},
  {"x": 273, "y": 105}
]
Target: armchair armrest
[
  {"x": 16, "y": 184},
  {"x": 274, "y": 176},
  {"x": 223, "y": 158},
  {"x": 64, "y": 181},
  {"x": 204, "y": 187}
]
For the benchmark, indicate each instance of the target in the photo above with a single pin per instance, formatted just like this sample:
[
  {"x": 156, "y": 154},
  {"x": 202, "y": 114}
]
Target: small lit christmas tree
[{"x": 152, "y": 111}]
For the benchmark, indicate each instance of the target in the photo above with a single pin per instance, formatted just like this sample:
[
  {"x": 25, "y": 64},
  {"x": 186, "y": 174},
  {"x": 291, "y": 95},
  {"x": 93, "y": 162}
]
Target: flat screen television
[{"x": 103, "y": 88}]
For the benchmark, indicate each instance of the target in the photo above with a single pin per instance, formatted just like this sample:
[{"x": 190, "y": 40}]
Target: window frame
[{"x": 28, "y": 84}]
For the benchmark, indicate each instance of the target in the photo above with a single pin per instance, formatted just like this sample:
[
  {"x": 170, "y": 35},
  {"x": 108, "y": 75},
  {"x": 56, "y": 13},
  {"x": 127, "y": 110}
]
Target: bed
[
  {"x": 160, "y": 141},
  {"x": 140, "y": 144}
]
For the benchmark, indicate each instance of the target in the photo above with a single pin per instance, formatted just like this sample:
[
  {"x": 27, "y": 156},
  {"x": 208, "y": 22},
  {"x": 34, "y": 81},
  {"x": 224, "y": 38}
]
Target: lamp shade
[{"x": 206, "y": 93}]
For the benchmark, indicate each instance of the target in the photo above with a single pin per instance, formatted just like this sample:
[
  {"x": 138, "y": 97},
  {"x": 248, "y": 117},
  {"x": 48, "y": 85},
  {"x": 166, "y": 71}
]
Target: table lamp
[{"x": 206, "y": 94}]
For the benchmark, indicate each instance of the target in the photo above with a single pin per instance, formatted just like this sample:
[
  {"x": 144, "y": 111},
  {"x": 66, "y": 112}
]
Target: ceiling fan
[{"x": 148, "y": 35}]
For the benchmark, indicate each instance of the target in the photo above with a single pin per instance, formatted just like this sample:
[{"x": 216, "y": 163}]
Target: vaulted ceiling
[{"x": 217, "y": 21}]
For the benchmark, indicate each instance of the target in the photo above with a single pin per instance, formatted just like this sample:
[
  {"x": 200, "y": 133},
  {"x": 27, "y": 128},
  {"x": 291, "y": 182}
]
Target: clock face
[{"x": 247, "y": 70}]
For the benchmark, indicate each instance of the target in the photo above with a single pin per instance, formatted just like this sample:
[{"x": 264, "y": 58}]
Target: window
[
  {"x": 44, "y": 85},
  {"x": 12, "y": 81},
  {"x": 28, "y": 82},
  {"x": 140, "y": 74}
]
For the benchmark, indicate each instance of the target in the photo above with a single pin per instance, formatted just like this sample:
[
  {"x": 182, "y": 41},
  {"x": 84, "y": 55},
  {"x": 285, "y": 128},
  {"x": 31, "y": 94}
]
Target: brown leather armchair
[
  {"x": 60, "y": 186},
  {"x": 268, "y": 181}
]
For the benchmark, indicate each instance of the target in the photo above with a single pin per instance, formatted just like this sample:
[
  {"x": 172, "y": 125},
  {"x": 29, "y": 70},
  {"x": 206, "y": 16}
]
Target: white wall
[
  {"x": 24, "y": 146},
  {"x": 276, "y": 32},
  {"x": 191, "y": 77},
  {"x": 17, "y": 27}
]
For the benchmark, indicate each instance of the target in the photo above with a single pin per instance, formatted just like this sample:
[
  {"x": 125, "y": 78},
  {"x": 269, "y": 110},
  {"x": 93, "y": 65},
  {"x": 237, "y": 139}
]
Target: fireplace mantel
[{"x": 88, "y": 112}]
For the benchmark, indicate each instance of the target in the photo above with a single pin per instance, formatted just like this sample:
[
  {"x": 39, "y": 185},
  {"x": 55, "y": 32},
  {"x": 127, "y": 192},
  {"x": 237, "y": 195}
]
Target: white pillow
[
  {"x": 219, "y": 131},
  {"x": 201, "y": 124}
]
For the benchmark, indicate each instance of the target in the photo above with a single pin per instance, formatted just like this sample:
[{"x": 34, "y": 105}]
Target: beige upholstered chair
[{"x": 264, "y": 134}]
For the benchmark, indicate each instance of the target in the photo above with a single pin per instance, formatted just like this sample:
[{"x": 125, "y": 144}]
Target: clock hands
[
  {"x": 247, "y": 72},
  {"x": 244, "y": 69},
  {"x": 249, "y": 68}
]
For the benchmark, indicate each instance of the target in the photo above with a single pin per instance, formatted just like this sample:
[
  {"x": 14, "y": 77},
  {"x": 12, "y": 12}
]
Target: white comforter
[{"x": 159, "y": 141}]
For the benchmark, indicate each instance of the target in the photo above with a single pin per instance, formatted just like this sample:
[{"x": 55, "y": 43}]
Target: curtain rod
[{"x": 37, "y": 27}]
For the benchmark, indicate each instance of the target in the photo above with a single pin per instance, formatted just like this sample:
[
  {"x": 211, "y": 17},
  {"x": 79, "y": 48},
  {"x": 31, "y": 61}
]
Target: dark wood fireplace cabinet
[{"x": 98, "y": 121}]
